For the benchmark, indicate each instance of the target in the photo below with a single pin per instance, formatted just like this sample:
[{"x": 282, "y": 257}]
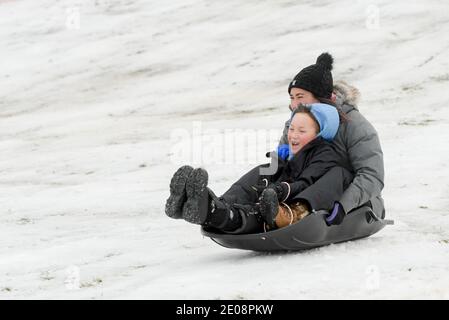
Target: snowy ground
[{"x": 94, "y": 92}]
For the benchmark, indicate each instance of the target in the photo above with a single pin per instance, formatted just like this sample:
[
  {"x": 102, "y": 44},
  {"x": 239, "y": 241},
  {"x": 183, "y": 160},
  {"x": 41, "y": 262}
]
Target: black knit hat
[{"x": 316, "y": 78}]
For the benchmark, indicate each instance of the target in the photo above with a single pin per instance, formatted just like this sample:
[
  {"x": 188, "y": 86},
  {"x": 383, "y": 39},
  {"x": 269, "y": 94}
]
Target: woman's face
[
  {"x": 303, "y": 129},
  {"x": 298, "y": 96}
]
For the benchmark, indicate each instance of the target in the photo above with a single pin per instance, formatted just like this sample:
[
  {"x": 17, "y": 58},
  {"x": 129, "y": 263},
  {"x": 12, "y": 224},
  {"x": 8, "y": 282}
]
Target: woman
[{"x": 356, "y": 140}]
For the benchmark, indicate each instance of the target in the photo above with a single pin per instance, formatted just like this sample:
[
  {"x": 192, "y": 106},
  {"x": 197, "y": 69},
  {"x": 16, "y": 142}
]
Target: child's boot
[
  {"x": 289, "y": 214},
  {"x": 175, "y": 202},
  {"x": 196, "y": 207}
]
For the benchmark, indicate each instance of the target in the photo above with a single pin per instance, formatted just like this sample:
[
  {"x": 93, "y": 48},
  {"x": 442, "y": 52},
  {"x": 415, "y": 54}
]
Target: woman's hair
[
  {"x": 343, "y": 116},
  {"x": 306, "y": 108},
  {"x": 327, "y": 101}
]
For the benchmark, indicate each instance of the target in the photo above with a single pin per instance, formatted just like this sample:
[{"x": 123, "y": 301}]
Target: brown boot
[{"x": 289, "y": 214}]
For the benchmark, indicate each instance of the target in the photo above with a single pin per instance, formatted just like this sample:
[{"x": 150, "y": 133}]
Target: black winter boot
[
  {"x": 175, "y": 202},
  {"x": 205, "y": 208},
  {"x": 196, "y": 207},
  {"x": 250, "y": 220},
  {"x": 221, "y": 215}
]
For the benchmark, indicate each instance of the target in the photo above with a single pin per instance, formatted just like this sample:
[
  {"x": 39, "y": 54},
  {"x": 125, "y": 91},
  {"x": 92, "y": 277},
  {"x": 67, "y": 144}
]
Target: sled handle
[{"x": 383, "y": 221}]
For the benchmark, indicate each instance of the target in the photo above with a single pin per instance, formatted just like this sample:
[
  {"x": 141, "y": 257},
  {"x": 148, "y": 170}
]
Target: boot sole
[
  {"x": 175, "y": 202},
  {"x": 269, "y": 206},
  {"x": 196, "y": 207}
]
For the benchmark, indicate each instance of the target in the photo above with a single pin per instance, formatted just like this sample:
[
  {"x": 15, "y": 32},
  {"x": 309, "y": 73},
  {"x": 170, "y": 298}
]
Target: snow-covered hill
[{"x": 94, "y": 93}]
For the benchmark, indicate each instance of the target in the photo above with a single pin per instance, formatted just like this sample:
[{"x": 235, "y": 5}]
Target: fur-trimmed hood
[{"x": 346, "y": 94}]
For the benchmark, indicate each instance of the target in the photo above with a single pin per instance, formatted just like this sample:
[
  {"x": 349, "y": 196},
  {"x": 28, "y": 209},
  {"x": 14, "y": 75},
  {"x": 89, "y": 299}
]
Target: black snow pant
[
  {"x": 323, "y": 194},
  {"x": 241, "y": 194},
  {"x": 320, "y": 196},
  {"x": 325, "y": 191}
]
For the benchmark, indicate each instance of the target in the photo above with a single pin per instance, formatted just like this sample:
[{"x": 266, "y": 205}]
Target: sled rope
[
  {"x": 288, "y": 193},
  {"x": 290, "y": 211}
]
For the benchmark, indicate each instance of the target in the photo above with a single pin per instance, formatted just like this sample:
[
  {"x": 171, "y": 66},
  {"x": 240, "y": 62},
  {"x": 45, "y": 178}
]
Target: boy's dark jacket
[{"x": 307, "y": 166}]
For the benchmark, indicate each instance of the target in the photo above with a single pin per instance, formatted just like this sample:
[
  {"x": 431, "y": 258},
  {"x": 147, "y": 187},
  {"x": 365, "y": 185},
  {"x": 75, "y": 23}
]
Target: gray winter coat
[{"x": 357, "y": 140}]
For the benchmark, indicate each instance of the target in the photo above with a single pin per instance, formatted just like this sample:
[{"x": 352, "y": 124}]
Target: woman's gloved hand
[
  {"x": 282, "y": 189},
  {"x": 336, "y": 216}
]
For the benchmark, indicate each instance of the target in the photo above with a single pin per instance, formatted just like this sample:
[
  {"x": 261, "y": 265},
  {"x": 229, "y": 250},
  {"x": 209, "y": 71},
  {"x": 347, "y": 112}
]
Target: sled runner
[{"x": 310, "y": 232}]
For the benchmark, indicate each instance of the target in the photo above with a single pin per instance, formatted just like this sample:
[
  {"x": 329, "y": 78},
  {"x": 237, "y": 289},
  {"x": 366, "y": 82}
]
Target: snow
[{"x": 93, "y": 94}]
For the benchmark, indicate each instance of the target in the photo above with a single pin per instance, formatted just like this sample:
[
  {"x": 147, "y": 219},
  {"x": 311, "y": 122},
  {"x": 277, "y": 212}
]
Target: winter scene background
[{"x": 101, "y": 101}]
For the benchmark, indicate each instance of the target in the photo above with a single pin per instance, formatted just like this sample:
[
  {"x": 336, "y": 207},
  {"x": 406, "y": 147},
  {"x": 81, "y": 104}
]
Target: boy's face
[
  {"x": 303, "y": 129},
  {"x": 298, "y": 96}
]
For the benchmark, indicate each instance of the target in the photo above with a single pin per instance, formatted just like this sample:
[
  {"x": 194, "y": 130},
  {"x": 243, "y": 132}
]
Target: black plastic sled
[{"x": 310, "y": 232}]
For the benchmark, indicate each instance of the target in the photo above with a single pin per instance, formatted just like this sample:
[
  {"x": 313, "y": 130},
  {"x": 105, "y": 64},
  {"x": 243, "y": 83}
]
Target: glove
[
  {"x": 260, "y": 187},
  {"x": 282, "y": 189},
  {"x": 283, "y": 151},
  {"x": 336, "y": 216}
]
